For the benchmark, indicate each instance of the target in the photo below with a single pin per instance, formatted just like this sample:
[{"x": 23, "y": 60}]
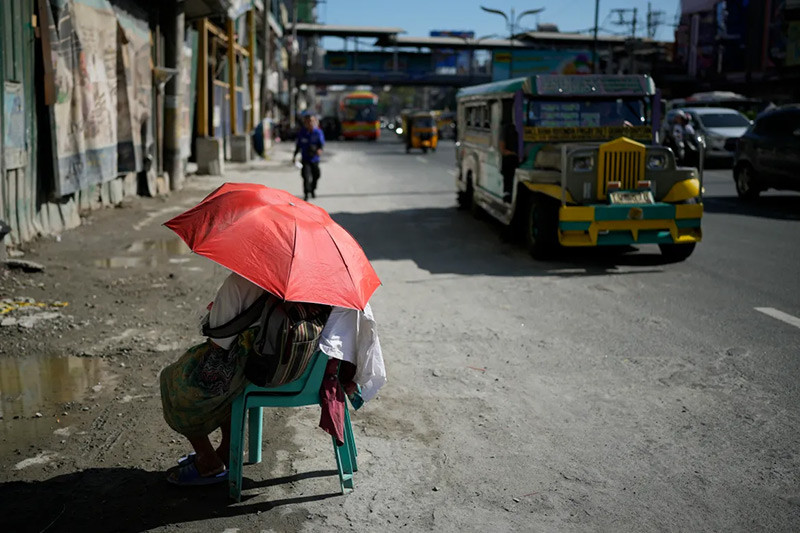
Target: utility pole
[
  {"x": 292, "y": 70},
  {"x": 622, "y": 21},
  {"x": 266, "y": 64},
  {"x": 512, "y": 23},
  {"x": 173, "y": 94},
  {"x": 653, "y": 21},
  {"x": 632, "y": 69},
  {"x": 595, "y": 63}
]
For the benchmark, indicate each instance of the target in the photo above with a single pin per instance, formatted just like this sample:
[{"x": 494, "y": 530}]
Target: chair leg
[
  {"x": 254, "y": 440},
  {"x": 342, "y": 454},
  {"x": 349, "y": 439},
  {"x": 237, "y": 452}
]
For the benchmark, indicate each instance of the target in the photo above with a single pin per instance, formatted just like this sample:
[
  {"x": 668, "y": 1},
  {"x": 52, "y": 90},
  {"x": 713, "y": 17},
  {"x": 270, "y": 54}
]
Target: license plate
[{"x": 631, "y": 197}]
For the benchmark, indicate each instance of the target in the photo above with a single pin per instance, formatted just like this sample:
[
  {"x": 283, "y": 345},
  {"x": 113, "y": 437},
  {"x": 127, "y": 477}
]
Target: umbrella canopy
[{"x": 289, "y": 247}]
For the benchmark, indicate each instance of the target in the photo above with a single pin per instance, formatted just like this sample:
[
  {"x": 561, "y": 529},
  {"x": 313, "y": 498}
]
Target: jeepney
[{"x": 588, "y": 172}]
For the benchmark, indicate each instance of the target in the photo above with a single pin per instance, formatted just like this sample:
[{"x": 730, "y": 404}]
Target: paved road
[
  {"x": 593, "y": 393},
  {"x": 649, "y": 395}
]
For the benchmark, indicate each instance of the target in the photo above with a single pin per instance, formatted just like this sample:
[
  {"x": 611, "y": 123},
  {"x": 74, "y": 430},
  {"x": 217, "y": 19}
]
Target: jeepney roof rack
[{"x": 568, "y": 85}]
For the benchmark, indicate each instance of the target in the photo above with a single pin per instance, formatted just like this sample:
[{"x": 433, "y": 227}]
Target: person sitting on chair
[{"x": 198, "y": 390}]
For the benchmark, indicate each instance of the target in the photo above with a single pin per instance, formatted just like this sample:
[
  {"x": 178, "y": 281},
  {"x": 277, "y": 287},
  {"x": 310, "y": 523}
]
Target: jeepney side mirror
[{"x": 701, "y": 156}]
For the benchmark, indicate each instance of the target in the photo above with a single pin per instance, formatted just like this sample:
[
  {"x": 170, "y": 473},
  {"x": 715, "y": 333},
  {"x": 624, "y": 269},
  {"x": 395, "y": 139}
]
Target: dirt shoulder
[{"x": 83, "y": 444}]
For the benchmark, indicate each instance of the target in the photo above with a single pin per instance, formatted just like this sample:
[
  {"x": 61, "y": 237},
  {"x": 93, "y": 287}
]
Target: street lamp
[{"x": 512, "y": 23}]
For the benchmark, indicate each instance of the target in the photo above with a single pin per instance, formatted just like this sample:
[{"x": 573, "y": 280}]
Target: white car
[{"x": 717, "y": 125}]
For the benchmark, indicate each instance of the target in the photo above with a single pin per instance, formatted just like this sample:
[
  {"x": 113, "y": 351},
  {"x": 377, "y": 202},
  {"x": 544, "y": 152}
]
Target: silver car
[{"x": 716, "y": 124}]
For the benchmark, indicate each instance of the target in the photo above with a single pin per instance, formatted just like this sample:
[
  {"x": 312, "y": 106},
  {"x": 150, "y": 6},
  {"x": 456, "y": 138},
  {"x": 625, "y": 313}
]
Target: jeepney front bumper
[{"x": 621, "y": 224}]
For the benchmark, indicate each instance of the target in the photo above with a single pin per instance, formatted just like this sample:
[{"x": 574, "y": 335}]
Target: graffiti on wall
[
  {"x": 134, "y": 124},
  {"x": 102, "y": 108}
]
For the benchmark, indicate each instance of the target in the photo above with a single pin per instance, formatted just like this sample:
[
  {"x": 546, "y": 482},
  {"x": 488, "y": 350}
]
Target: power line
[{"x": 623, "y": 20}]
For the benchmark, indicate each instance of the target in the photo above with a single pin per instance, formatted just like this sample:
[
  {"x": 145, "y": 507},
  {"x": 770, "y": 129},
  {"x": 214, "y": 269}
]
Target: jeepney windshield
[{"x": 560, "y": 113}]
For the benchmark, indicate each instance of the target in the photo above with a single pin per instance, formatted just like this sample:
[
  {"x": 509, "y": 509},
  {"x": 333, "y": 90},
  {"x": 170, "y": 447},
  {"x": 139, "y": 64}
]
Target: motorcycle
[{"x": 689, "y": 150}]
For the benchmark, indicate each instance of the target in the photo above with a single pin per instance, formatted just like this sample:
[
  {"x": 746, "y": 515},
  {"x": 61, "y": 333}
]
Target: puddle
[
  {"x": 153, "y": 252},
  {"x": 127, "y": 262},
  {"x": 39, "y": 384},
  {"x": 174, "y": 246}
]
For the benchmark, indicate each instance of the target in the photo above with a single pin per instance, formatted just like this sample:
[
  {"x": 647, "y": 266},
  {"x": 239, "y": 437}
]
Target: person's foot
[
  {"x": 305, "y": 196},
  {"x": 313, "y": 194},
  {"x": 189, "y": 474},
  {"x": 208, "y": 465}
]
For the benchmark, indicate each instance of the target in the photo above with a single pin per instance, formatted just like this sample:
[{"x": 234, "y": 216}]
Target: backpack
[{"x": 288, "y": 335}]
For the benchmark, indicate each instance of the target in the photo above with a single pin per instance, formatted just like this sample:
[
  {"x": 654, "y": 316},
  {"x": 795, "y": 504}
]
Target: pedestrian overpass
[{"x": 410, "y": 61}]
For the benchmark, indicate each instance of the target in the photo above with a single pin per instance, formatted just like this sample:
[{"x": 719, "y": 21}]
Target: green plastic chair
[{"x": 302, "y": 391}]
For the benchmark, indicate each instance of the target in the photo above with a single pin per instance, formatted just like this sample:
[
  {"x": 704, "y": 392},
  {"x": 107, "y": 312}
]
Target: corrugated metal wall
[
  {"x": 28, "y": 199},
  {"x": 17, "y": 102}
]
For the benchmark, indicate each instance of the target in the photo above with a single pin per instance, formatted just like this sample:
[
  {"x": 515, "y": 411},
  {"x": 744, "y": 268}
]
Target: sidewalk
[{"x": 83, "y": 444}]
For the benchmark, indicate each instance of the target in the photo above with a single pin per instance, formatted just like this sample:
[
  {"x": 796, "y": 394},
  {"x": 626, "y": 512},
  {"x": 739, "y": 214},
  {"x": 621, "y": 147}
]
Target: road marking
[
  {"x": 421, "y": 159},
  {"x": 780, "y": 315}
]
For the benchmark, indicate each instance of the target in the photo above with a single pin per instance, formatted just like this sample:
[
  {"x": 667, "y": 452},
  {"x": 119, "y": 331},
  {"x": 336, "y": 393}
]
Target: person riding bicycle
[{"x": 310, "y": 141}]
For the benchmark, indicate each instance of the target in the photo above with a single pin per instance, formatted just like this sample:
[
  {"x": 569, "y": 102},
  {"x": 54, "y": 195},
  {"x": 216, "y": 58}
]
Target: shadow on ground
[
  {"x": 447, "y": 241},
  {"x": 780, "y": 207},
  {"x": 109, "y": 500}
]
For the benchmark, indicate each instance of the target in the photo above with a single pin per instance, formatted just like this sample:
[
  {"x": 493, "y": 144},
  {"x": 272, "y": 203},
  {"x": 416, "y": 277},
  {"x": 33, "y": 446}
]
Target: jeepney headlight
[
  {"x": 657, "y": 161},
  {"x": 583, "y": 163}
]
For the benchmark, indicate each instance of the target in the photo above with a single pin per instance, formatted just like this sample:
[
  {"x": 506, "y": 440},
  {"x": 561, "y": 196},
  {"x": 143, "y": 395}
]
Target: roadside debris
[
  {"x": 24, "y": 265},
  {"x": 27, "y": 312}
]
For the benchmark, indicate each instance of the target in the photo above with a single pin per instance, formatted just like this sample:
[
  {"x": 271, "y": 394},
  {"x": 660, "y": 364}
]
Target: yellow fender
[{"x": 683, "y": 190}]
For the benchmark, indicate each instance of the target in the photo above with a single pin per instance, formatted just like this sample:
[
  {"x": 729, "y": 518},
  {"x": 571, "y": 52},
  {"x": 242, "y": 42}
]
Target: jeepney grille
[{"x": 622, "y": 166}]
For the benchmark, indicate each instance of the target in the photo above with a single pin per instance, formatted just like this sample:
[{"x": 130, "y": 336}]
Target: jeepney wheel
[
  {"x": 746, "y": 182},
  {"x": 424, "y": 149},
  {"x": 676, "y": 252},
  {"x": 464, "y": 198},
  {"x": 541, "y": 227},
  {"x": 474, "y": 207}
]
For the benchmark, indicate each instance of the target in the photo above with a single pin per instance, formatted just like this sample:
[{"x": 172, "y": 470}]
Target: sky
[{"x": 419, "y": 17}]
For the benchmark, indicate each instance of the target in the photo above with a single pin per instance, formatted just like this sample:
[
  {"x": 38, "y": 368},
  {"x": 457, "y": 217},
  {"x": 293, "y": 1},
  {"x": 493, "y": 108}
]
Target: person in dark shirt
[
  {"x": 310, "y": 141},
  {"x": 508, "y": 145}
]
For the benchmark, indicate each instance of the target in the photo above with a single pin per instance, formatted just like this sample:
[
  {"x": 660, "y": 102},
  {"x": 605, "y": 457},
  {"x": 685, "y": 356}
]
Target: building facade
[{"x": 103, "y": 99}]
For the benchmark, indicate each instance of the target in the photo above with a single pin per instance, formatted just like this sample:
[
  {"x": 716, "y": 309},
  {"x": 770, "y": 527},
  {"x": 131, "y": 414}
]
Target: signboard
[
  {"x": 14, "y": 146},
  {"x": 411, "y": 63},
  {"x": 449, "y": 61},
  {"x": 134, "y": 93},
  {"x": 643, "y": 133},
  {"x": 518, "y": 63},
  {"x": 594, "y": 85},
  {"x": 84, "y": 115}
]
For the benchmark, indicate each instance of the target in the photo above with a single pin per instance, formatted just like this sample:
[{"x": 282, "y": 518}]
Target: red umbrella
[{"x": 291, "y": 248}]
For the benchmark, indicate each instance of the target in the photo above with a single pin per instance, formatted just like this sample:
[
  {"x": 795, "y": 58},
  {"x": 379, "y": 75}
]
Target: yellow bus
[{"x": 358, "y": 115}]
